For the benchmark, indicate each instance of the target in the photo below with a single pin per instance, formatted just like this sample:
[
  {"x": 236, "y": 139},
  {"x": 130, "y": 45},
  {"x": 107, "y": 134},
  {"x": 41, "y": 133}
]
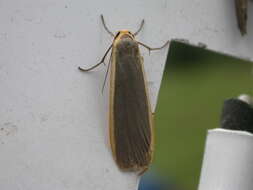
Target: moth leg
[
  {"x": 143, "y": 171},
  {"x": 141, "y": 25},
  {"x": 102, "y": 61},
  {"x": 152, "y": 49},
  {"x": 105, "y": 27},
  {"x": 107, "y": 71}
]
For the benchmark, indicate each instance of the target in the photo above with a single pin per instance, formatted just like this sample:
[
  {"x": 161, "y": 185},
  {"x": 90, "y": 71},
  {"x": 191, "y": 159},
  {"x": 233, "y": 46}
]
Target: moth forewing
[
  {"x": 151, "y": 114},
  {"x": 151, "y": 120},
  {"x": 111, "y": 111},
  {"x": 131, "y": 120}
]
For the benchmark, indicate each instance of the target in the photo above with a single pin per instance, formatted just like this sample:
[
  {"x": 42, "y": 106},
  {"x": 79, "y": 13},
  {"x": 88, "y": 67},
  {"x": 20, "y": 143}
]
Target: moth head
[{"x": 124, "y": 34}]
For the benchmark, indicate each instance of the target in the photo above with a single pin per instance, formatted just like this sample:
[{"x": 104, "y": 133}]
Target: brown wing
[
  {"x": 241, "y": 14},
  {"x": 132, "y": 123}
]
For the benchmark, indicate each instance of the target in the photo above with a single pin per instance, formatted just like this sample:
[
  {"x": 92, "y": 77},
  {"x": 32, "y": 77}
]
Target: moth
[
  {"x": 241, "y": 7},
  {"x": 131, "y": 125}
]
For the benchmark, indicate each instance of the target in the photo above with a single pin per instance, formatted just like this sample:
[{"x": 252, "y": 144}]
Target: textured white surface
[
  {"x": 228, "y": 161},
  {"x": 53, "y": 125}
]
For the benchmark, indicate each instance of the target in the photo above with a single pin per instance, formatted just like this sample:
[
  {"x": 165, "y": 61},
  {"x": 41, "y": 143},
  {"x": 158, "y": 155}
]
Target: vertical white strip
[{"x": 228, "y": 161}]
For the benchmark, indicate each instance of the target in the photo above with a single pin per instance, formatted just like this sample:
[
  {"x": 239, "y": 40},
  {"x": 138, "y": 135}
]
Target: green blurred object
[{"x": 194, "y": 86}]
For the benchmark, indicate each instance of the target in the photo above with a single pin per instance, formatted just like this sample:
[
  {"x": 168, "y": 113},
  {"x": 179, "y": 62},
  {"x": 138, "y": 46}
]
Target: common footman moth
[
  {"x": 241, "y": 7},
  {"x": 130, "y": 115}
]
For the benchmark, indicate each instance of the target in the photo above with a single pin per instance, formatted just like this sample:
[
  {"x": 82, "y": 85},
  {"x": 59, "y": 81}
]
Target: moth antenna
[
  {"x": 103, "y": 21},
  {"x": 140, "y": 27}
]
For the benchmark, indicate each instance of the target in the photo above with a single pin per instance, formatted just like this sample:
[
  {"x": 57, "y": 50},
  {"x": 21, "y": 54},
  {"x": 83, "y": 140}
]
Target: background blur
[{"x": 195, "y": 84}]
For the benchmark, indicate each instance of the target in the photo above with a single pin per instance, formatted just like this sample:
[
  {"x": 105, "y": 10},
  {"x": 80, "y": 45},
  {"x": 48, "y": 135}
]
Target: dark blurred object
[
  {"x": 241, "y": 8},
  {"x": 150, "y": 181},
  {"x": 237, "y": 115}
]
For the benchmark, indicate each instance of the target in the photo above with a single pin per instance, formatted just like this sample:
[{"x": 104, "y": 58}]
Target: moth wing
[{"x": 130, "y": 113}]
